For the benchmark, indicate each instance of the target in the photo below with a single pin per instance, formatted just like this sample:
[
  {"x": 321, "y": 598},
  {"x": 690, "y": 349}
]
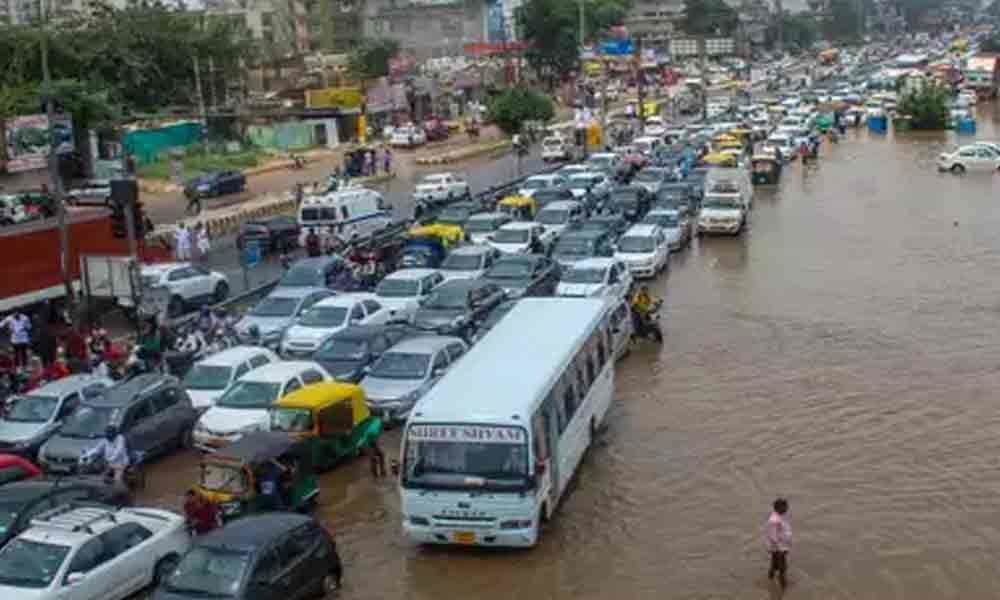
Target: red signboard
[{"x": 484, "y": 49}]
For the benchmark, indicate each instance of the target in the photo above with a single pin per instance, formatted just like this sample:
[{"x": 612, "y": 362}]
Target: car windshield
[
  {"x": 445, "y": 457},
  {"x": 292, "y": 420},
  {"x": 401, "y": 365},
  {"x": 88, "y": 421},
  {"x": 342, "y": 349},
  {"x": 32, "y": 408},
  {"x": 208, "y": 377},
  {"x": 535, "y": 184},
  {"x": 662, "y": 219},
  {"x": 581, "y": 181},
  {"x": 574, "y": 248},
  {"x": 250, "y": 394},
  {"x": 462, "y": 262},
  {"x": 510, "y": 269},
  {"x": 448, "y": 298},
  {"x": 30, "y": 564},
  {"x": 479, "y": 225},
  {"x": 209, "y": 572},
  {"x": 392, "y": 287},
  {"x": 626, "y": 198},
  {"x": 303, "y": 276},
  {"x": 324, "y": 316},
  {"x": 584, "y": 275},
  {"x": 649, "y": 175},
  {"x": 432, "y": 180},
  {"x": 635, "y": 244},
  {"x": 553, "y": 216},
  {"x": 600, "y": 161},
  {"x": 722, "y": 202},
  {"x": 511, "y": 236},
  {"x": 275, "y": 306}
]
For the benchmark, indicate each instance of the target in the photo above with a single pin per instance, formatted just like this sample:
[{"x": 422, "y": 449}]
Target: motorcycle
[
  {"x": 648, "y": 326},
  {"x": 189, "y": 349}
]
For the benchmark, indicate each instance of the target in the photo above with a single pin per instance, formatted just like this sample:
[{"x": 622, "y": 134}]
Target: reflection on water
[{"x": 841, "y": 353}]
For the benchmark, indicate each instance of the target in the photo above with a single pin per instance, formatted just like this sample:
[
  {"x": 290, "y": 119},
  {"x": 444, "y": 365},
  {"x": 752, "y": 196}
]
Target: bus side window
[
  {"x": 569, "y": 401},
  {"x": 582, "y": 385},
  {"x": 601, "y": 354},
  {"x": 557, "y": 401},
  {"x": 343, "y": 212},
  {"x": 541, "y": 435}
]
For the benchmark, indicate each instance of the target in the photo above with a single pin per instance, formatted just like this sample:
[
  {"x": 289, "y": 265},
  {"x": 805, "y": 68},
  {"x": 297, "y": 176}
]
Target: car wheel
[
  {"x": 957, "y": 169},
  {"x": 221, "y": 291},
  {"x": 175, "y": 307},
  {"x": 330, "y": 585},
  {"x": 164, "y": 568}
]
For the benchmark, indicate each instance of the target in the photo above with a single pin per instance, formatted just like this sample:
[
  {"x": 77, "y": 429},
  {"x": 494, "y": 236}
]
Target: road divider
[{"x": 464, "y": 153}]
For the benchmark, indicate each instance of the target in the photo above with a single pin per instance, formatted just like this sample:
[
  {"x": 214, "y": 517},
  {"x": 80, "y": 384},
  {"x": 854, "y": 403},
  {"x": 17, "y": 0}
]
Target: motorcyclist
[
  {"x": 206, "y": 320},
  {"x": 112, "y": 451},
  {"x": 644, "y": 304}
]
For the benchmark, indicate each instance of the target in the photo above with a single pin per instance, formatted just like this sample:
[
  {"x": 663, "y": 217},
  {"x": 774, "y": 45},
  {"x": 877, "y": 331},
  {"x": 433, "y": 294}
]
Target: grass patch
[{"x": 200, "y": 162}]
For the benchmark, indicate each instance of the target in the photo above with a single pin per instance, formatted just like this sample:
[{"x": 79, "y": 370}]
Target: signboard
[
  {"x": 467, "y": 433},
  {"x": 720, "y": 46},
  {"x": 334, "y": 97},
  {"x": 618, "y": 47},
  {"x": 28, "y": 141}
]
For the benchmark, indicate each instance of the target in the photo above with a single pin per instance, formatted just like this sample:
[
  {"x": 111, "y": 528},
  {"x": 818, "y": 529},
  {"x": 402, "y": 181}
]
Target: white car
[
  {"x": 468, "y": 262},
  {"x": 596, "y": 184},
  {"x": 81, "y": 552},
  {"x": 12, "y": 211},
  {"x": 558, "y": 216},
  {"x": 783, "y": 143},
  {"x": 675, "y": 226},
  {"x": 644, "y": 249},
  {"x": 402, "y": 291},
  {"x": 480, "y": 226},
  {"x": 521, "y": 237},
  {"x": 440, "y": 188},
  {"x": 976, "y": 157},
  {"x": 596, "y": 277},
  {"x": 408, "y": 136},
  {"x": 541, "y": 182},
  {"x": 210, "y": 377},
  {"x": 556, "y": 147},
  {"x": 185, "y": 285},
  {"x": 722, "y": 213},
  {"x": 326, "y": 318},
  {"x": 655, "y": 127},
  {"x": 243, "y": 407}
]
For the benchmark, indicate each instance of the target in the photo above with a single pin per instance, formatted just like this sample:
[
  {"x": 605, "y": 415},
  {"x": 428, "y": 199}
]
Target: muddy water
[{"x": 843, "y": 353}]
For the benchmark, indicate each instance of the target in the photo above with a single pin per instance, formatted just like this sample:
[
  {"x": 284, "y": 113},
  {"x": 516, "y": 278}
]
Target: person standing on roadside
[
  {"x": 778, "y": 538},
  {"x": 387, "y": 160},
  {"x": 202, "y": 242},
  {"x": 19, "y": 326},
  {"x": 313, "y": 246}
]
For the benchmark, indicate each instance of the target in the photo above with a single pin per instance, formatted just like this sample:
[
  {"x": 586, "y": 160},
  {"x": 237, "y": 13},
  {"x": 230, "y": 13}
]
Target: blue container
[
  {"x": 967, "y": 127},
  {"x": 878, "y": 124}
]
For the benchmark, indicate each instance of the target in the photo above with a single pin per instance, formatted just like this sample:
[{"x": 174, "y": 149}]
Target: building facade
[{"x": 428, "y": 28}]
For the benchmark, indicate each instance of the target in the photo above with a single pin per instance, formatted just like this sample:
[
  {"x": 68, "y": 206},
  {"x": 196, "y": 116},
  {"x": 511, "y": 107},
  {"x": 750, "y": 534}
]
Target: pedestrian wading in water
[{"x": 778, "y": 537}]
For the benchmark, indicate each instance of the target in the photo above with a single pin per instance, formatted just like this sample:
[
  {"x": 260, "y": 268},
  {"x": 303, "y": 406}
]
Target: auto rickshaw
[
  {"x": 331, "y": 420},
  {"x": 427, "y": 245},
  {"x": 719, "y": 159},
  {"x": 230, "y": 477},
  {"x": 766, "y": 169},
  {"x": 520, "y": 208}
]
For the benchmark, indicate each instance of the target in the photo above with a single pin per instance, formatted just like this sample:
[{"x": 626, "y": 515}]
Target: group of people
[
  {"x": 366, "y": 163},
  {"x": 191, "y": 243}
]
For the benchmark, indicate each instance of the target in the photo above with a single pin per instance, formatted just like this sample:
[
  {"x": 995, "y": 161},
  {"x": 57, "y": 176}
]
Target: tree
[
  {"x": 843, "y": 22},
  {"x": 914, "y": 10},
  {"x": 927, "y": 107},
  {"x": 514, "y": 106},
  {"x": 709, "y": 17},
  {"x": 370, "y": 59},
  {"x": 798, "y": 30},
  {"x": 991, "y": 44}
]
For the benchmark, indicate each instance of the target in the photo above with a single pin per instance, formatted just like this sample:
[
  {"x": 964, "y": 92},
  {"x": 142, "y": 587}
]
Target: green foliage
[
  {"x": 198, "y": 160},
  {"x": 514, "y": 106},
  {"x": 800, "y": 31},
  {"x": 991, "y": 44},
  {"x": 927, "y": 107},
  {"x": 371, "y": 58},
  {"x": 914, "y": 10},
  {"x": 844, "y": 22},
  {"x": 709, "y": 17}
]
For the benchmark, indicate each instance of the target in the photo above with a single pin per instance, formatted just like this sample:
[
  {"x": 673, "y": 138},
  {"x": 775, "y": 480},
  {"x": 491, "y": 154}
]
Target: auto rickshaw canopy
[
  {"x": 720, "y": 159},
  {"x": 724, "y": 137},
  {"x": 518, "y": 206},
  {"x": 318, "y": 396},
  {"x": 449, "y": 235}
]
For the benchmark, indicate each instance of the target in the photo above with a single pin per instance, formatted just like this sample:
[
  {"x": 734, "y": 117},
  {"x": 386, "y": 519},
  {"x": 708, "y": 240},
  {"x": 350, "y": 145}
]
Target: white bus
[{"x": 490, "y": 450}]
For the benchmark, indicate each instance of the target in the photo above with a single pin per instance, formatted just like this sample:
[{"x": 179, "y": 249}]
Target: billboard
[
  {"x": 27, "y": 140},
  {"x": 334, "y": 97}
]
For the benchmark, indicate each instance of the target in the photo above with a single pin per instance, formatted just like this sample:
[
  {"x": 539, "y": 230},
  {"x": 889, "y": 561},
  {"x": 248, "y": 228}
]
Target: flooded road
[{"x": 842, "y": 353}]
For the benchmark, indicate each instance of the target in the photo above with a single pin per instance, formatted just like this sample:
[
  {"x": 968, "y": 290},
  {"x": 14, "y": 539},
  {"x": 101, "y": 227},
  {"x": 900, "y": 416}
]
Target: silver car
[
  {"x": 276, "y": 313},
  {"x": 403, "y": 374}
]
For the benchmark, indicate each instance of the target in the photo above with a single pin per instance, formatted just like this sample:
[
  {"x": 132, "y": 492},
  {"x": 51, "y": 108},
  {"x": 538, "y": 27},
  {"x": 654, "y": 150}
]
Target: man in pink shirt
[{"x": 778, "y": 537}]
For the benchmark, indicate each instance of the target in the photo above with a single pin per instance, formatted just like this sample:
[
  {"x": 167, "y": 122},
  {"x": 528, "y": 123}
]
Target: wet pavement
[{"x": 840, "y": 353}]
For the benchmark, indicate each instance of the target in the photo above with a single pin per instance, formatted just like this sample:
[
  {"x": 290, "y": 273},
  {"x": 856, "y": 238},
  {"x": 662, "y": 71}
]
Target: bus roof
[{"x": 501, "y": 379}]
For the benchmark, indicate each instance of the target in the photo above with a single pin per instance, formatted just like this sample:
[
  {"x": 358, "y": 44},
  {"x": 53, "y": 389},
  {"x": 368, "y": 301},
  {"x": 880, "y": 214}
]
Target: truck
[
  {"x": 982, "y": 75},
  {"x": 31, "y": 251}
]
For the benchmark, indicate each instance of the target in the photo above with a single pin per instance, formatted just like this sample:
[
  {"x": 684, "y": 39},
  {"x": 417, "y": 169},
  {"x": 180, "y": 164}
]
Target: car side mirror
[
  {"x": 75, "y": 578},
  {"x": 439, "y": 372},
  {"x": 367, "y": 368}
]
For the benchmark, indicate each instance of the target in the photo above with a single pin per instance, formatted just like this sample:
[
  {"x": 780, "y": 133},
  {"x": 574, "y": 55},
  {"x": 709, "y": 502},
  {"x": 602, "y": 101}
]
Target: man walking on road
[
  {"x": 778, "y": 537},
  {"x": 19, "y": 326}
]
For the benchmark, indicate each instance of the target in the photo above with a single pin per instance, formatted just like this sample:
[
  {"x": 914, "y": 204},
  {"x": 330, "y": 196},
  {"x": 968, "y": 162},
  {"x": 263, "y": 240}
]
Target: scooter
[{"x": 648, "y": 326}]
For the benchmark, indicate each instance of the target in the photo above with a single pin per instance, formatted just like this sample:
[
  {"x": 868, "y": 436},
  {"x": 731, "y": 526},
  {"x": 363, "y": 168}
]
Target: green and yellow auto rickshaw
[
  {"x": 230, "y": 477},
  {"x": 331, "y": 421},
  {"x": 519, "y": 208},
  {"x": 765, "y": 169}
]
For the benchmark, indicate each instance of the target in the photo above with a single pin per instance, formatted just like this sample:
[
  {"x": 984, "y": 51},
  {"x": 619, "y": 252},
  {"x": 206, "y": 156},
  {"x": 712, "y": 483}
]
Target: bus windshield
[{"x": 476, "y": 457}]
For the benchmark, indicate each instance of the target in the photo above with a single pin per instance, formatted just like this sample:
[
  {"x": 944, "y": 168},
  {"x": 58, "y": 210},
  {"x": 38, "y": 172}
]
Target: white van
[
  {"x": 733, "y": 182},
  {"x": 555, "y": 147},
  {"x": 348, "y": 213}
]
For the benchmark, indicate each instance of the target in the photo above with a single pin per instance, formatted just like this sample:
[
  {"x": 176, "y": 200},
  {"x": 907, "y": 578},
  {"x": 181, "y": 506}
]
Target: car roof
[
  {"x": 437, "y": 175},
  {"x": 230, "y": 356},
  {"x": 424, "y": 343},
  {"x": 359, "y": 332},
  {"x": 641, "y": 230},
  {"x": 543, "y": 177},
  {"x": 128, "y": 392},
  {"x": 253, "y": 531},
  {"x": 411, "y": 274},
  {"x": 463, "y": 283},
  {"x": 278, "y": 371},
  {"x": 472, "y": 249},
  {"x": 594, "y": 262},
  {"x": 562, "y": 204},
  {"x": 296, "y": 292},
  {"x": 160, "y": 268},
  {"x": 345, "y": 299},
  {"x": 583, "y": 234},
  {"x": 66, "y": 385},
  {"x": 316, "y": 261},
  {"x": 485, "y": 216},
  {"x": 520, "y": 225}
]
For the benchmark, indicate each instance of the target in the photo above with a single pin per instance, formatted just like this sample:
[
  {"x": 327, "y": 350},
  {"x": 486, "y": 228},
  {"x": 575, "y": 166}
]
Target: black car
[
  {"x": 575, "y": 245},
  {"x": 216, "y": 184},
  {"x": 314, "y": 271},
  {"x": 544, "y": 196},
  {"x": 614, "y": 224},
  {"x": 274, "y": 556},
  {"x": 676, "y": 195},
  {"x": 273, "y": 235},
  {"x": 346, "y": 354},
  {"x": 630, "y": 201},
  {"x": 652, "y": 178},
  {"x": 458, "y": 213},
  {"x": 22, "y": 501},
  {"x": 491, "y": 320},
  {"x": 454, "y": 306},
  {"x": 530, "y": 275}
]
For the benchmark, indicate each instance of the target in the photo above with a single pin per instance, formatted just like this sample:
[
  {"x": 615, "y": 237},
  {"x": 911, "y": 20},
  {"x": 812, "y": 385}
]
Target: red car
[
  {"x": 14, "y": 468},
  {"x": 436, "y": 130}
]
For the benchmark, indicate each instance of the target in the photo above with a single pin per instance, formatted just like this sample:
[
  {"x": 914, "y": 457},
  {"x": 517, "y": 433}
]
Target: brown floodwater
[{"x": 842, "y": 353}]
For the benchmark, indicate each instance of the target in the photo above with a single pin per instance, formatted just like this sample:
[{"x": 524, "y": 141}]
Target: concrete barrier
[{"x": 464, "y": 153}]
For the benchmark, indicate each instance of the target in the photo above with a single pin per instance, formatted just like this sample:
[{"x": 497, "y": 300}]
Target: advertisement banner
[
  {"x": 494, "y": 434},
  {"x": 28, "y": 141},
  {"x": 335, "y": 97}
]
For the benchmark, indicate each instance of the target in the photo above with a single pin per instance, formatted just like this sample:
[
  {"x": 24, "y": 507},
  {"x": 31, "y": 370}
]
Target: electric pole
[
  {"x": 640, "y": 86},
  {"x": 55, "y": 179},
  {"x": 780, "y": 15},
  {"x": 201, "y": 96}
]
